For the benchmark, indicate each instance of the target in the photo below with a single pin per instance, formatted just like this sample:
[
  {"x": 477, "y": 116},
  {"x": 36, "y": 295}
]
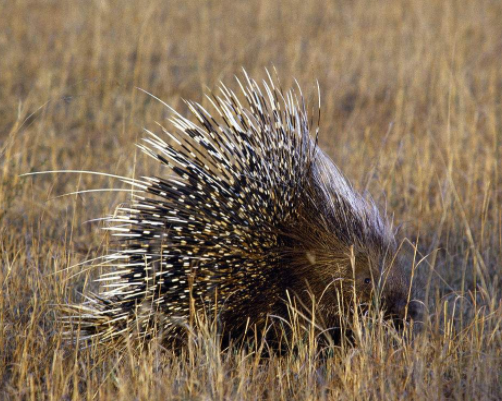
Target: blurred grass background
[{"x": 411, "y": 97}]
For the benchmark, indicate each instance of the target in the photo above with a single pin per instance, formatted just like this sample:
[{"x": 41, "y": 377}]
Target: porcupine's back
[{"x": 251, "y": 209}]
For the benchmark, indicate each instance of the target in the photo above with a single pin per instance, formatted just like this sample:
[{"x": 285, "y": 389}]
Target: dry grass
[{"x": 412, "y": 107}]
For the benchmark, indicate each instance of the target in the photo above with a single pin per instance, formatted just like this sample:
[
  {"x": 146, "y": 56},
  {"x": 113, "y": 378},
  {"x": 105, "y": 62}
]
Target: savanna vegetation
[{"x": 411, "y": 96}]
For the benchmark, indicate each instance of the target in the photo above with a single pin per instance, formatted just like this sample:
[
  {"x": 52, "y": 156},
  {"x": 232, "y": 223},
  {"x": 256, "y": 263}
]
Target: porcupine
[{"x": 252, "y": 211}]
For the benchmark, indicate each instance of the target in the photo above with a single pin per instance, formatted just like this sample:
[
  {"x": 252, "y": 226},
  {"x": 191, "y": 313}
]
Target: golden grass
[{"x": 411, "y": 109}]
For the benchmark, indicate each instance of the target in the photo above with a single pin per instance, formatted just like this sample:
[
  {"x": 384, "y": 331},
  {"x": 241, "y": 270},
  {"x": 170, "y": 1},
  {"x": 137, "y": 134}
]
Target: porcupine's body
[{"x": 251, "y": 209}]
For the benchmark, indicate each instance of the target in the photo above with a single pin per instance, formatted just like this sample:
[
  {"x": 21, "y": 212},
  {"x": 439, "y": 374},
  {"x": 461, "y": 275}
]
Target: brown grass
[{"x": 412, "y": 106}]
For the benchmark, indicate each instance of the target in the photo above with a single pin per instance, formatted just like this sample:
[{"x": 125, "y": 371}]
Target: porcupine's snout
[{"x": 399, "y": 304}]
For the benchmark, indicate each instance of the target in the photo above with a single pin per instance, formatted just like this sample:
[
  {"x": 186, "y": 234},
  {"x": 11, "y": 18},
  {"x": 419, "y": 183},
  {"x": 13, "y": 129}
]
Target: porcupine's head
[{"x": 345, "y": 251}]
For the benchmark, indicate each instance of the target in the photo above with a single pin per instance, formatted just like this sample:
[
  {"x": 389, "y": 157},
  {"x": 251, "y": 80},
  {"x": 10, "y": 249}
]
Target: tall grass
[{"x": 411, "y": 110}]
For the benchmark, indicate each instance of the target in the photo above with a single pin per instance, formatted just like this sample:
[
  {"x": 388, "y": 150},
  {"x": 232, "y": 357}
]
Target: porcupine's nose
[
  {"x": 399, "y": 310},
  {"x": 414, "y": 310}
]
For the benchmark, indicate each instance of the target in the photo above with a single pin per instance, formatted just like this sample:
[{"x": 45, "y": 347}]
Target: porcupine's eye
[{"x": 367, "y": 281}]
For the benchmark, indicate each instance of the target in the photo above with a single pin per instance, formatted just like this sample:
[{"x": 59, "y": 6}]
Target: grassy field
[{"x": 411, "y": 108}]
